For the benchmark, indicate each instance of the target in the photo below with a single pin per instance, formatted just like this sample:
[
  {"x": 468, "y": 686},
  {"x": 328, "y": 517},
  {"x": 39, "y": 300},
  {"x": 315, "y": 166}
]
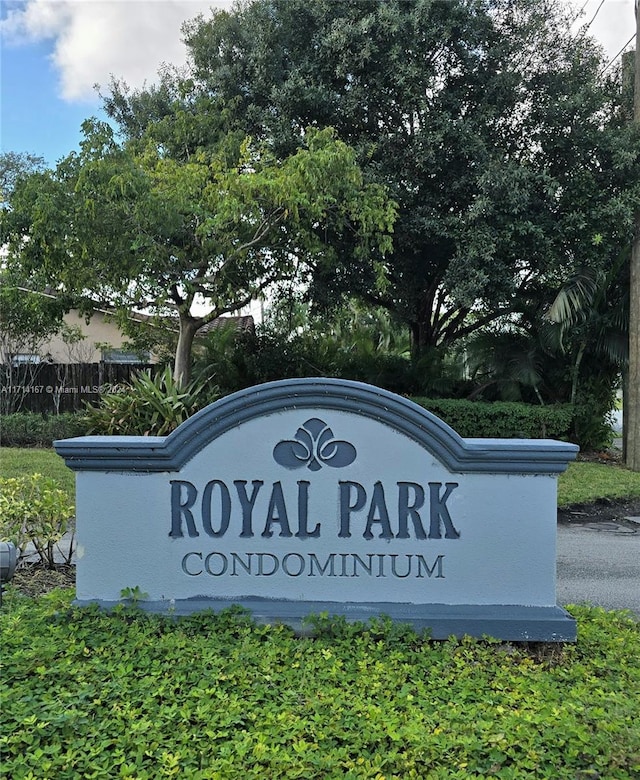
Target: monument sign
[{"x": 316, "y": 495}]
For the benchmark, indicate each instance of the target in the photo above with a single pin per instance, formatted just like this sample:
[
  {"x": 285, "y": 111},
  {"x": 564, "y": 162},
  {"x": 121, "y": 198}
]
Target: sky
[{"x": 54, "y": 52}]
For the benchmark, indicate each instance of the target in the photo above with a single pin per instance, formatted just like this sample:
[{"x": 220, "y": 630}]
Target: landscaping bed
[
  {"x": 604, "y": 510},
  {"x": 128, "y": 695}
]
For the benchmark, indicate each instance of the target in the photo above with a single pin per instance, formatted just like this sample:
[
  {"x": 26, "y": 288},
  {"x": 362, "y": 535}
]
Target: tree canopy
[
  {"x": 159, "y": 222},
  {"x": 495, "y": 128},
  {"x": 490, "y": 121},
  {"x": 13, "y": 166},
  {"x": 27, "y": 318}
]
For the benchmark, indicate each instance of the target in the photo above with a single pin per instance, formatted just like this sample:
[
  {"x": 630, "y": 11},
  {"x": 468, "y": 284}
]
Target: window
[
  {"x": 122, "y": 356},
  {"x": 23, "y": 358}
]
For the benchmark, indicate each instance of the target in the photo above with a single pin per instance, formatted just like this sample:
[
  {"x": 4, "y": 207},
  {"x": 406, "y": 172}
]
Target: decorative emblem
[{"x": 313, "y": 446}]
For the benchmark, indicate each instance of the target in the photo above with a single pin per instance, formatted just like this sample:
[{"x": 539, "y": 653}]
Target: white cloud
[
  {"x": 130, "y": 39},
  {"x": 94, "y": 39}
]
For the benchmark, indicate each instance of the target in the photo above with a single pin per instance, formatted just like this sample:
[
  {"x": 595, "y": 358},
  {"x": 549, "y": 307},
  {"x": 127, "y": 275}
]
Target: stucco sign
[{"x": 317, "y": 495}]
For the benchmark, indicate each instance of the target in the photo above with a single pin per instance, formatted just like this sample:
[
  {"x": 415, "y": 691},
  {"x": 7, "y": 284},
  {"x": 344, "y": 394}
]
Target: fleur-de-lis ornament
[{"x": 314, "y": 446}]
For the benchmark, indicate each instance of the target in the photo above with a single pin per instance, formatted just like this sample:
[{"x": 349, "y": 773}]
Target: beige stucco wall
[{"x": 100, "y": 329}]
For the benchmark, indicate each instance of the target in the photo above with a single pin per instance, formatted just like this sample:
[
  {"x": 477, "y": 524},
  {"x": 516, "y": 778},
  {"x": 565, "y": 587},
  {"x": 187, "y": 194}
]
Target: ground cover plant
[{"x": 127, "y": 695}]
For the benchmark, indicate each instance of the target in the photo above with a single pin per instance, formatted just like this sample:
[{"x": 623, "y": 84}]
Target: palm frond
[
  {"x": 614, "y": 346},
  {"x": 573, "y": 300}
]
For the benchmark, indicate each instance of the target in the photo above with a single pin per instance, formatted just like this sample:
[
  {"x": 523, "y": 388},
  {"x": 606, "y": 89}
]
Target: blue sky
[
  {"x": 54, "y": 51},
  {"x": 34, "y": 117}
]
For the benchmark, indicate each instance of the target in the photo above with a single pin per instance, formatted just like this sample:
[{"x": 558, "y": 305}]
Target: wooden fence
[{"x": 53, "y": 388}]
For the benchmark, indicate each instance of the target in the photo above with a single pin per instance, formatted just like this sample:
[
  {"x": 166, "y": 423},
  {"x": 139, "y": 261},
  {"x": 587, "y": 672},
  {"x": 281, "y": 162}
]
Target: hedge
[
  {"x": 502, "y": 419},
  {"x": 29, "y": 429}
]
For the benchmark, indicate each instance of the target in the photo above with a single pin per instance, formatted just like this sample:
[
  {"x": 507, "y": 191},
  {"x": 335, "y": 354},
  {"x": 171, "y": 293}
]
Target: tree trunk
[
  {"x": 182, "y": 362},
  {"x": 414, "y": 339},
  {"x": 575, "y": 371},
  {"x": 631, "y": 409},
  {"x": 625, "y": 417},
  {"x": 421, "y": 336}
]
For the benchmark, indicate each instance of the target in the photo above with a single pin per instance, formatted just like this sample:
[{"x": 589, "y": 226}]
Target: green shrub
[
  {"x": 150, "y": 407},
  {"x": 126, "y": 695},
  {"x": 586, "y": 424},
  {"x": 592, "y": 423},
  {"x": 251, "y": 359},
  {"x": 28, "y": 429},
  {"x": 34, "y": 509},
  {"x": 502, "y": 419}
]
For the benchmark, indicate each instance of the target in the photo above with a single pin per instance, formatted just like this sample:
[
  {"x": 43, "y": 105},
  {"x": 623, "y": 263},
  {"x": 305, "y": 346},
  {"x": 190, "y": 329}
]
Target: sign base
[{"x": 514, "y": 623}]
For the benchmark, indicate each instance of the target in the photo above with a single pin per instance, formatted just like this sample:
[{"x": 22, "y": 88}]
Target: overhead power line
[
  {"x": 584, "y": 29},
  {"x": 613, "y": 59},
  {"x": 579, "y": 14}
]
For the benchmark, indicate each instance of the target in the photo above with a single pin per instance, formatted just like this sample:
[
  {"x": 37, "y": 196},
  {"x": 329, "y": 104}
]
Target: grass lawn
[
  {"x": 582, "y": 483},
  {"x": 17, "y": 461}
]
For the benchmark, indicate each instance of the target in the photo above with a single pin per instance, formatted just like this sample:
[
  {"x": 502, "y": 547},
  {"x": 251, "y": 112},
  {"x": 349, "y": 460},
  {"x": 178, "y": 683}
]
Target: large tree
[
  {"x": 188, "y": 225},
  {"x": 495, "y": 126}
]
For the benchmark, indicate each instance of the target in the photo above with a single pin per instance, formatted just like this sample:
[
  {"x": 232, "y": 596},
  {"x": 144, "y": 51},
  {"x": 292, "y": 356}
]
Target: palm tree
[{"x": 591, "y": 312}]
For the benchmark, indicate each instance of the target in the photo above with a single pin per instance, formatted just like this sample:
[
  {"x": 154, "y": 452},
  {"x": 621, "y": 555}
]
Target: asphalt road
[{"x": 599, "y": 564}]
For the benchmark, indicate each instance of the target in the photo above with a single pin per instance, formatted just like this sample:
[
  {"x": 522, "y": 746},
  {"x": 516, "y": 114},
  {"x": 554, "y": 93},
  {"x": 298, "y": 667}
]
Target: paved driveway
[{"x": 599, "y": 563}]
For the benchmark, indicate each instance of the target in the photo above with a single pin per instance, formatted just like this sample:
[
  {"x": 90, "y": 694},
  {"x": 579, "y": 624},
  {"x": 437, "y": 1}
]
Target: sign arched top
[{"x": 457, "y": 454}]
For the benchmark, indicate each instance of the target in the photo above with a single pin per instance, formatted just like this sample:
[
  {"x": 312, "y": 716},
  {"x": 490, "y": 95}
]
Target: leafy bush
[
  {"x": 502, "y": 419},
  {"x": 151, "y": 407},
  {"x": 34, "y": 509},
  {"x": 592, "y": 420},
  {"x": 251, "y": 359},
  {"x": 27, "y": 429},
  {"x": 352, "y": 342},
  {"x": 592, "y": 427},
  {"x": 129, "y": 695}
]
